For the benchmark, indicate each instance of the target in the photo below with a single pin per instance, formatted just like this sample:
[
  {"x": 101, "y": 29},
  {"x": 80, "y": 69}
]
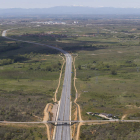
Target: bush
[
  {"x": 79, "y": 67},
  {"x": 114, "y": 71}
]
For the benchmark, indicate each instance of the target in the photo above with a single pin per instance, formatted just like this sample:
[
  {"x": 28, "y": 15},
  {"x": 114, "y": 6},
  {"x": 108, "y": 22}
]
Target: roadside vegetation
[
  {"x": 108, "y": 82},
  {"x": 28, "y": 79},
  {"x": 22, "y": 132}
]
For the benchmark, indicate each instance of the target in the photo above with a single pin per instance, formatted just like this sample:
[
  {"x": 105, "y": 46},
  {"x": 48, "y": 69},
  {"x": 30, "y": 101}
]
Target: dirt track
[
  {"x": 79, "y": 110},
  {"x": 46, "y": 117}
]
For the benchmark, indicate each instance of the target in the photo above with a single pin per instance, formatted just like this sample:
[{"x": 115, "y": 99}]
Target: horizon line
[{"x": 70, "y": 6}]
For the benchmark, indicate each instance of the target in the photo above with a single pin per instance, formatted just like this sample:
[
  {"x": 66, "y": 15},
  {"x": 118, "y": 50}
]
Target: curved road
[{"x": 62, "y": 131}]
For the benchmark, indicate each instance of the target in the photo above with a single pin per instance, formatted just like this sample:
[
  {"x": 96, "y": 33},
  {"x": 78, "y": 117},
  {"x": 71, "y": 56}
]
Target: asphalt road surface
[{"x": 62, "y": 129}]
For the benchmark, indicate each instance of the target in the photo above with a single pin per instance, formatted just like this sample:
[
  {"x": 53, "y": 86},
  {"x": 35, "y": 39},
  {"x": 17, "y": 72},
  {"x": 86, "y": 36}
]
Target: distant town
[{"x": 50, "y": 22}]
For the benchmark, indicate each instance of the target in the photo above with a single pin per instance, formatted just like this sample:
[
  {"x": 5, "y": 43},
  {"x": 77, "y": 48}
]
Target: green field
[
  {"x": 110, "y": 76},
  {"x": 28, "y": 79},
  {"x": 108, "y": 81}
]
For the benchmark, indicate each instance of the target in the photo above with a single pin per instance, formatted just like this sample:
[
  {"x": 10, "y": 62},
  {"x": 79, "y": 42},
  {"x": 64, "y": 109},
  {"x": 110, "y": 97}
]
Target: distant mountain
[{"x": 70, "y": 10}]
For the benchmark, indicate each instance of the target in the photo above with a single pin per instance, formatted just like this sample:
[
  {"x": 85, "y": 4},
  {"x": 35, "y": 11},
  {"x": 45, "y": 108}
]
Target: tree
[
  {"x": 79, "y": 67},
  {"x": 48, "y": 68}
]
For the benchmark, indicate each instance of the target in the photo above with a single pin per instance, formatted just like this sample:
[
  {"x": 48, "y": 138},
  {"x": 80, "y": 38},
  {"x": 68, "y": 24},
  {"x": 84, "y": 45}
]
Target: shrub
[{"x": 79, "y": 67}]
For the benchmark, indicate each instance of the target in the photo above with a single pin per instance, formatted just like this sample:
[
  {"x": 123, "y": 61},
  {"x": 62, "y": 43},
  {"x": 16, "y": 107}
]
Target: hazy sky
[{"x": 52, "y": 3}]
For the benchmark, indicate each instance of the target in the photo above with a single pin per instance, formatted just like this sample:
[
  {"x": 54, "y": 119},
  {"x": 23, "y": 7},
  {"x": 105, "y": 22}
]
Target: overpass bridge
[{"x": 71, "y": 122}]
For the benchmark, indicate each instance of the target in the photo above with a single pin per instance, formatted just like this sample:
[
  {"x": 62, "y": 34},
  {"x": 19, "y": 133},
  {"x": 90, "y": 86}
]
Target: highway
[{"x": 62, "y": 131}]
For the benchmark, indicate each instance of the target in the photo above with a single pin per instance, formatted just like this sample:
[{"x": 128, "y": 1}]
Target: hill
[{"x": 71, "y": 10}]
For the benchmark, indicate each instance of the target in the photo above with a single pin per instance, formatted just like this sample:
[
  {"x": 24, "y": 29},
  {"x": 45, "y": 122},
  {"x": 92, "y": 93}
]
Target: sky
[{"x": 53, "y": 3}]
